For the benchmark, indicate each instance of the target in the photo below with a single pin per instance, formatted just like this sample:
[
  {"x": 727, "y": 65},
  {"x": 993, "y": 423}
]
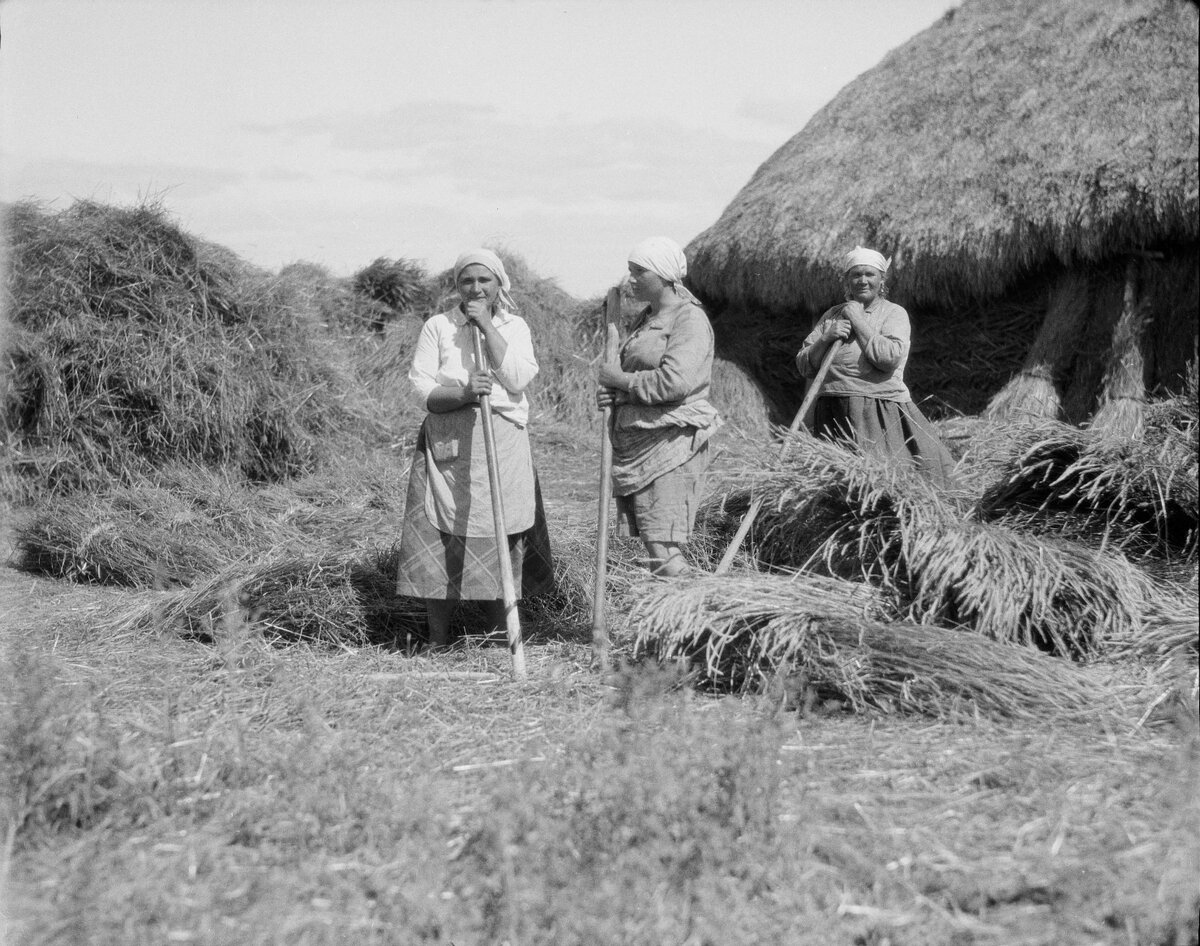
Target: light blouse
[{"x": 445, "y": 356}]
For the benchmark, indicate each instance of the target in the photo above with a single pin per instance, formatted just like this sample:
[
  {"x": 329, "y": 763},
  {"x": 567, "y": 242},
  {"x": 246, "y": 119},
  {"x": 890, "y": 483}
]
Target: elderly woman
[
  {"x": 662, "y": 420},
  {"x": 448, "y": 549},
  {"x": 864, "y": 399}
]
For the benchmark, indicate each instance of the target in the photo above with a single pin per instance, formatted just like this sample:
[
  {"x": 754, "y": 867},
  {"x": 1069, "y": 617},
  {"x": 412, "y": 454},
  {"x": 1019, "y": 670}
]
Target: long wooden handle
[
  {"x": 512, "y": 619},
  {"x": 612, "y": 342},
  {"x": 806, "y": 405}
]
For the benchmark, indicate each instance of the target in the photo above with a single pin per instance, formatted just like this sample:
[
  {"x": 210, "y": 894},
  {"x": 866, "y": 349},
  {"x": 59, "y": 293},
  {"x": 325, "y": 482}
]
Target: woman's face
[
  {"x": 863, "y": 284},
  {"x": 478, "y": 282},
  {"x": 645, "y": 285}
]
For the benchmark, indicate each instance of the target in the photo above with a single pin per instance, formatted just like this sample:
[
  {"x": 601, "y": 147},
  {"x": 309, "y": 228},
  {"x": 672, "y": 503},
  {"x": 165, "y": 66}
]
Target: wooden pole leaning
[
  {"x": 806, "y": 406},
  {"x": 512, "y": 619},
  {"x": 612, "y": 344}
]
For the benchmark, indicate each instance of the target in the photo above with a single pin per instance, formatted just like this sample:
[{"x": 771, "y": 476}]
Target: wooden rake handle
[
  {"x": 512, "y": 619},
  {"x": 612, "y": 343},
  {"x": 810, "y": 398}
]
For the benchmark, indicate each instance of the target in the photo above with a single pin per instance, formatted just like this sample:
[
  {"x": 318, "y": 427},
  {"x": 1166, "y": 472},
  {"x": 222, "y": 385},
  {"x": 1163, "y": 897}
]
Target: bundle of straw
[
  {"x": 1139, "y": 494},
  {"x": 147, "y": 539},
  {"x": 861, "y": 518},
  {"x": 744, "y": 632}
]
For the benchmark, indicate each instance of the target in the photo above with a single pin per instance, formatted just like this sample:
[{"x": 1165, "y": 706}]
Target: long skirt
[
  {"x": 665, "y": 509},
  {"x": 436, "y": 564},
  {"x": 887, "y": 429}
]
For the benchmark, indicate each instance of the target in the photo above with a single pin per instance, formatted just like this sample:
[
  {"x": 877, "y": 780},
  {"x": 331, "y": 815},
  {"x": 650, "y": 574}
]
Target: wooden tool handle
[{"x": 512, "y": 619}]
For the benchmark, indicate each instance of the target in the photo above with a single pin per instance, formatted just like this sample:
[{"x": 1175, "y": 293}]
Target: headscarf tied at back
[
  {"x": 861, "y": 256},
  {"x": 663, "y": 257},
  {"x": 492, "y": 262}
]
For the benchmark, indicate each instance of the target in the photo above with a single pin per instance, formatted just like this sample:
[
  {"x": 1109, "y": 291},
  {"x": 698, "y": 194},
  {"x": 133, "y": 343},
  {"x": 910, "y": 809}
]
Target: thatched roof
[{"x": 1006, "y": 138}]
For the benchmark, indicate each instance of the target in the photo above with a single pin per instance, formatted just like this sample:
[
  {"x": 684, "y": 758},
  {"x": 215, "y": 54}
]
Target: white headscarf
[
  {"x": 861, "y": 256},
  {"x": 492, "y": 262},
  {"x": 663, "y": 257}
]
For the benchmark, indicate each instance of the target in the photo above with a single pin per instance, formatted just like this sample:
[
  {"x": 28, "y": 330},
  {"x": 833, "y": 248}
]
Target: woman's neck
[{"x": 666, "y": 298}]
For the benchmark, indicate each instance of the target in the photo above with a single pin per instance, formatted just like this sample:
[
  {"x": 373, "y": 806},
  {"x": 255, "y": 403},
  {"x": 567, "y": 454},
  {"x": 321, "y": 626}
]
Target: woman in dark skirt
[
  {"x": 864, "y": 399},
  {"x": 448, "y": 548}
]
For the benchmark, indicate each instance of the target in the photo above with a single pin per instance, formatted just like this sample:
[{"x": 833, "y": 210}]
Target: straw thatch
[
  {"x": 1007, "y": 143},
  {"x": 859, "y": 518},
  {"x": 1004, "y": 137},
  {"x": 824, "y": 638}
]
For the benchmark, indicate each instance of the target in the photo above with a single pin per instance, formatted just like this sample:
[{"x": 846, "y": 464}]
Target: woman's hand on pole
[
  {"x": 836, "y": 330},
  {"x": 613, "y": 377},
  {"x": 614, "y": 384},
  {"x": 480, "y": 384}
]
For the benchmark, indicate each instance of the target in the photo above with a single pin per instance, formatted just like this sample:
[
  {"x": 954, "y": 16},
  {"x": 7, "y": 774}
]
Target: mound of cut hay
[
  {"x": 184, "y": 524},
  {"x": 339, "y": 600},
  {"x": 1138, "y": 494},
  {"x": 396, "y": 285},
  {"x": 826, "y": 635},
  {"x": 348, "y": 599},
  {"x": 859, "y": 518},
  {"x": 132, "y": 344}
]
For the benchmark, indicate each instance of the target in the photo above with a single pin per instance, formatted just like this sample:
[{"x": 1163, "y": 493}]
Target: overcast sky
[{"x": 338, "y": 132}]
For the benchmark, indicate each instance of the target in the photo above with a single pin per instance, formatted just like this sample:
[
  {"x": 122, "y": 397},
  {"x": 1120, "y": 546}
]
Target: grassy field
[{"x": 165, "y": 790}]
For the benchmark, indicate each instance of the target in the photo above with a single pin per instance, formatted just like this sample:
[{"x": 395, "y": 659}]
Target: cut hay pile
[
  {"x": 339, "y": 600},
  {"x": 398, "y": 286},
  {"x": 824, "y": 637},
  {"x": 348, "y": 599},
  {"x": 132, "y": 344},
  {"x": 858, "y": 518},
  {"x": 1139, "y": 495}
]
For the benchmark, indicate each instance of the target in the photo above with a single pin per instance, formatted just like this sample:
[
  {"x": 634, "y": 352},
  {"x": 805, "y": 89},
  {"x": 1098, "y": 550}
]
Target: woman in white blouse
[{"x": 448, "y": 548}]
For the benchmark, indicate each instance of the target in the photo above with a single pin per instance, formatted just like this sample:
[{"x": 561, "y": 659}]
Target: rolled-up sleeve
[
  {"x": 422, "y": 375},
  {"x": 685, "y": 365},
  {"x": 520, "y": 365},
  {"x": 887, "y": 348}
]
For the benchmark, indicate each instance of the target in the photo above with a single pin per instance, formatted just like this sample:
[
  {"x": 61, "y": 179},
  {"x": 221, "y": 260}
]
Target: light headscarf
[
  {"x": 663, "y": 257},
  {"x": 495, "y": 265},
  {"x": 861, "y": 256}
]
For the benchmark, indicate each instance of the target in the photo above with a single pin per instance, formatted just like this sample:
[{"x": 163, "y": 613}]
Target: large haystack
[
  {"x": 1031, "y": 166},
  {"x": 133, "y": 344}
]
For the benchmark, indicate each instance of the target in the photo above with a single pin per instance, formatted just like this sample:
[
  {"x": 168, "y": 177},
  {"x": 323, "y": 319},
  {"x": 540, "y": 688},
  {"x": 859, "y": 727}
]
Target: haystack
[
  {"x": 1014, "y": 159},
  {"x": 132, "y": 344}
]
